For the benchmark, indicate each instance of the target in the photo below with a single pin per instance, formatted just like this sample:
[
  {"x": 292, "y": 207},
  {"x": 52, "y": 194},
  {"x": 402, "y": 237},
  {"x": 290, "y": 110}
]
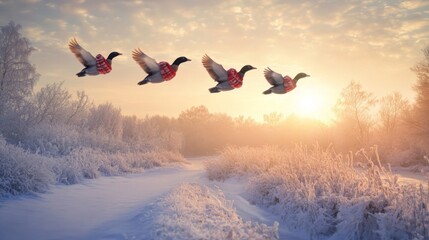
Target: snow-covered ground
[
  {"x": 125, "y": 207},
  {"x": 162, "y": 203}
]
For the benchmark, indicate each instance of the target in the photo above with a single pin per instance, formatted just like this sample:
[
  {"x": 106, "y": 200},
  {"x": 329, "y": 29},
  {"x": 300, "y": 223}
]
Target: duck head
[
  {"x": 112, "y": 55},
  {"x": 246, "y": 68},
  {"x": 299, "y": 76},
  {"x": 180, "y": 60}
]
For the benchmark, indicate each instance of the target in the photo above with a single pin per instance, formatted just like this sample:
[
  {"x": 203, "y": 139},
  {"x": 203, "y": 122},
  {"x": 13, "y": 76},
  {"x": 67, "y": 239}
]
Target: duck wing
[
  {"x": 81, "y": 54},
  {"x": 272, "y": 77},
  {"x": 216, "y": 71},
  {"x": 148, "y": 64}
]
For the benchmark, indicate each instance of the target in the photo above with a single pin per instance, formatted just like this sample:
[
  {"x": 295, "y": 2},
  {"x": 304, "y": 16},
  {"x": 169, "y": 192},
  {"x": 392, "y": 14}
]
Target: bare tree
[
  {"x": 392, "y": 112},
  {"x": 78, "y": 108},
  {"x": 353, "y": 110},
  {"x": 273, "y": 118},
  {"x": 105, "y": 119},
  {"x": 392, "y": 109},
  {"x": 419, "y": 116},
  {"x": 51, "y": 104}
]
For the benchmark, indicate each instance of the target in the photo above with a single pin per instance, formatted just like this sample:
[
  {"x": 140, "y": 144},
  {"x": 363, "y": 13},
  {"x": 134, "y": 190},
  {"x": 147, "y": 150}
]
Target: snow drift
[
  {"x": 22, "y": 171},
  {"x": 192, "y": 211}
]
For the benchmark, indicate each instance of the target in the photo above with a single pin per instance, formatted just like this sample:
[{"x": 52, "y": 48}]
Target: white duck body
[
  {"x": 220, "y": 75},
  {"x": 280, "y": 84},
  {"x": 157, "y": 72},
  {"x": 88, "y": 60}
]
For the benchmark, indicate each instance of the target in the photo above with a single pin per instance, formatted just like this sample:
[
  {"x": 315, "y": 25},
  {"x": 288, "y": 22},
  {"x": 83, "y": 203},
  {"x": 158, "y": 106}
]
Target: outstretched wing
[
  {"x": 216, "y": 71},
  {"x": 148, "y": 64},
  {"x": 272, "y": 77},
  {"x": 81, "y": 54}
]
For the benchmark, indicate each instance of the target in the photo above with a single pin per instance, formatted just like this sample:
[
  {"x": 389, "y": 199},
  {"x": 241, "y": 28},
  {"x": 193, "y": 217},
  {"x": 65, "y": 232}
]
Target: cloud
[
  {"x": 35, "y": 33},
  {"x": 173, "y": 29},
  {"x": 410, "y": 5},
  {"x": 142, "y": 18},
  {"x": 59, "y": 23}
]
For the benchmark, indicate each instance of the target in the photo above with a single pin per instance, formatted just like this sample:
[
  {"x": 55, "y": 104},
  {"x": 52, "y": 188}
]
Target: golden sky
[{"x": 372, "y": 42}]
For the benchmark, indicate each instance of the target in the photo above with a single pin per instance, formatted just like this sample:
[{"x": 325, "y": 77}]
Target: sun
[
  {"x": 312, "y": 103},
  {"x": 308, "y": 106}
]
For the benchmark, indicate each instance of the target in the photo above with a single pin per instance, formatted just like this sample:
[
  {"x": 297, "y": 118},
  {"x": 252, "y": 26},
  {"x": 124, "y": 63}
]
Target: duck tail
[
  {"x": 143, "y": 82},
  {"x": 214, "y": 90},
  {"x": 267, "y": 91}
]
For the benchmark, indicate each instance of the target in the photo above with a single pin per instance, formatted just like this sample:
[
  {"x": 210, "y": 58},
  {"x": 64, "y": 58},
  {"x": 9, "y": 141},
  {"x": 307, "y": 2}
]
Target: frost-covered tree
[
  {"x": 17, "y": 79},
  {"x": 105, "y": 119},
  {"x": 419, "y": 117},
  {"x": 51, "y": 104},
  {"x": 353, "y": 112},
  {"x": 392, "y": 111},
  {"x": 204, "y": 133},
  {"x": 273, "y": 118},
  {"x": 54, "y": 104}
]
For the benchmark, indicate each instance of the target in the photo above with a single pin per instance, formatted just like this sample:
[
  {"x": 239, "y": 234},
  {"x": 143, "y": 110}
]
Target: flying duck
[
  {"x": 281, "y": 84},
  {"x": 93, "y": 65},
  {"x": 157, "y": 72},
  {"x": 227, "y": 80}
]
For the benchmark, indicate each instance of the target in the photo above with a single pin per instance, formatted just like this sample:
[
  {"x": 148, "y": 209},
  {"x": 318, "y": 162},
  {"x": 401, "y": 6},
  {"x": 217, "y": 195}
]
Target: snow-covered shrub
[
  {"x": 321, "y": 192},
  {"x": 87, "y": 163},
  {"x": 60, "y": 140},
  {"x": 246, "y": 160},
  {"x": 21, "y": 171},
  {"x": 52, "y": 139},
  {"x": 81, "y": 163},
  {"x": 192, "y": 211},
  {"x": 152, "y": 159}
]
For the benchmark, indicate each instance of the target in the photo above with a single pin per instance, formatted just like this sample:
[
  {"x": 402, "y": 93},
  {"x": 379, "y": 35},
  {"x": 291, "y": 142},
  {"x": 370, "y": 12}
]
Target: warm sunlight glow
[
  {"x": 309, "y": 106},
  {"x": 312, "y": 104}
]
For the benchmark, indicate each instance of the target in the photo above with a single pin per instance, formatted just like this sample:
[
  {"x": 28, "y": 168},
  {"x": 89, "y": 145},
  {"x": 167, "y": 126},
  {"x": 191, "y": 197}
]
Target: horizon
[{"x": 372, "y": 43}]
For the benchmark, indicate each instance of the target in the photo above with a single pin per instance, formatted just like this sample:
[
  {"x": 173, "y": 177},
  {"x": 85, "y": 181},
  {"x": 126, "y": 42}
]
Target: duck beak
[
  {"x": 189, "y": 59},
  {"x": 119, "y": 53},
  {"x": 254, "y": 68}
]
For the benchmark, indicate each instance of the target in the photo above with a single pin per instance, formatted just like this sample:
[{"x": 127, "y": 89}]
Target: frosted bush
[
  {"x": 21, "y": 171},
  {"x": 52, "y": 139},
  {"x": 192, "y": 211},
  {"x": 81, "y": 163},
  {"x": 322, "y": 192},
  {"x": 245, "y": 161},
  {"x": 89, "y": 163}
]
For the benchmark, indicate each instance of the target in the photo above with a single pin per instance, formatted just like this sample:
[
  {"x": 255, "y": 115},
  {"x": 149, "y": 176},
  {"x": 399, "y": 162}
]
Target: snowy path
[
  {"x": 71, "y": 211},
  {"x": 106, "y": 208}
]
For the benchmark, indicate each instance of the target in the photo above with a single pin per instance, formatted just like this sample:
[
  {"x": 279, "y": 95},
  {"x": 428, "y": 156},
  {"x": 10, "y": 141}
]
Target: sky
[{"x": 374, "y": 43}]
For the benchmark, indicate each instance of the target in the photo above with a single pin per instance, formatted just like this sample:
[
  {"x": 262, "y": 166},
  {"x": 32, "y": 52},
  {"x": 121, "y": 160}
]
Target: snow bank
[
  {"x": 192, "y": 211},
  {"x": 22, "y": 171},
  {"x": 320, "y": 192},
  {"x": 89, "y": 163}
]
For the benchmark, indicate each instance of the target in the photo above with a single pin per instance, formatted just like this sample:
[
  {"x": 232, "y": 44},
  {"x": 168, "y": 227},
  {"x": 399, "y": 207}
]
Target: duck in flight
[{"x": 93, "y": 65}]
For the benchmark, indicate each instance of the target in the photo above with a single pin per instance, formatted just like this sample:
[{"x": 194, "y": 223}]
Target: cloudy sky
[{"x": 371, "y": 42}]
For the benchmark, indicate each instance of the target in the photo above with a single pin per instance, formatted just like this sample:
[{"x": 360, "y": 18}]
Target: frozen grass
[
  {"x": 22, "y": 171},
  {"x": 322, "y": 193},
  {"x": 192, "y": 211},
  {"x": 89, "y": 163}
]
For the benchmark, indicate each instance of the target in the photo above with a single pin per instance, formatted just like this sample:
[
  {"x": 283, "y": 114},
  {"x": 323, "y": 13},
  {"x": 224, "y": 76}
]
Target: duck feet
[
  {"x": 267, "y": 91},
  {"x": 81, "y": 74},
  {"x": 214, "y": 90},
  {"x": 143, "y": 82}
]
